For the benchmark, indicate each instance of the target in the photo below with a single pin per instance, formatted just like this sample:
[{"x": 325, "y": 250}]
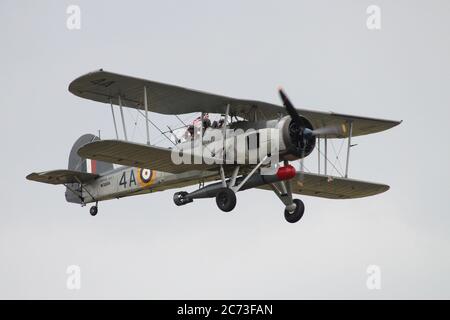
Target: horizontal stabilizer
[
  {"x": 61, "y": 176},
  {"x": 332, "y": 187},
  {"x": 136, "y": 155}
]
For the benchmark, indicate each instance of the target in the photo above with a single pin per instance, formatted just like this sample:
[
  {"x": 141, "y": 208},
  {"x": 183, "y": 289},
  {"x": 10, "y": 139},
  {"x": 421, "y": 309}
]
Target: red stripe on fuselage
[{"x": 94, "y": 166}]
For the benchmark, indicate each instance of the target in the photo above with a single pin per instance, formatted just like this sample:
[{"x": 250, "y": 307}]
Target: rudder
[{"x": 77, "y": 163}]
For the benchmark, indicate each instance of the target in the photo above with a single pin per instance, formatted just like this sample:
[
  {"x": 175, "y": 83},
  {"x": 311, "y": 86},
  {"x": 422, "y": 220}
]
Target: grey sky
[{"x": 145, "y": 247}]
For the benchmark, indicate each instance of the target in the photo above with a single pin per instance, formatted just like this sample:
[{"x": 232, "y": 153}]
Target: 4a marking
[{"x": 127, "y": 182}]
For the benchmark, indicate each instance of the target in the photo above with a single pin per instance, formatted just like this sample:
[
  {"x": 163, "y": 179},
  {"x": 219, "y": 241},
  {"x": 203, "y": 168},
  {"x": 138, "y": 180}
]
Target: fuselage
[
  {"x": 247, "y": 142},
  {"x": 128, "y": 181}
]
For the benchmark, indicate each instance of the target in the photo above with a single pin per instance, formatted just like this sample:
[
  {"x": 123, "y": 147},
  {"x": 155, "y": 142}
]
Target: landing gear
[
  {"x": 179, "y": 198},
  {"x": 297, "y": 214},
  {"x": 226, "y": 199},
  {"x": 93, "y": 210}
]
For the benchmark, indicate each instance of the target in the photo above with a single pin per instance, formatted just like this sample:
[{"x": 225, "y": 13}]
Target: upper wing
[
  {"x": 136, "y": 155},
  {"x": 163, "y": 98},
  {"x": 61, "y": 176},
  {"x": 332, "y": 187}
]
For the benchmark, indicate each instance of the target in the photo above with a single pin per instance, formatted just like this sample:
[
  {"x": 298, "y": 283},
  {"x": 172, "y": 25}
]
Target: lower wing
[{"x": 332, "y": 187}]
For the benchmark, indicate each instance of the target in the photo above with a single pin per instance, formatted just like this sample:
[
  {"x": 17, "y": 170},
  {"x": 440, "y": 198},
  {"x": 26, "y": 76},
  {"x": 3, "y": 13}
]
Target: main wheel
[
  {"x": 293, "y": 217},
  {"x": 226, "y": 199},
  {"x": 93, "y": 210}
]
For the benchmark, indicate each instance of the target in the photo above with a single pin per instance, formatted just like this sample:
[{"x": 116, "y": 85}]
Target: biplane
[{"x": 252, "y": 145}]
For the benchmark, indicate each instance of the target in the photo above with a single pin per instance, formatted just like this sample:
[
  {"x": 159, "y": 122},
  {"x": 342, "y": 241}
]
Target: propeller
[
  {"x": 299, "y": 129},
  {"x": 291, "y": 110},
  {"x": 330, "y": 130},
  {"x": 301, "y": 125}
]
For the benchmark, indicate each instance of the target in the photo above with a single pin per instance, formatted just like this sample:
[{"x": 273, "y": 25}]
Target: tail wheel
[
  {"x": 295, "y": 216},
  {"x": 93, "y": 210},
  {"x": 226, "y": 199}
]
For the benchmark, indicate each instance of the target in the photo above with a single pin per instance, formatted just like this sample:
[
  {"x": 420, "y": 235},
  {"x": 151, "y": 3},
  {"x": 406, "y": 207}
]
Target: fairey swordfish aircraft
[{"x": 251, "y": 146}]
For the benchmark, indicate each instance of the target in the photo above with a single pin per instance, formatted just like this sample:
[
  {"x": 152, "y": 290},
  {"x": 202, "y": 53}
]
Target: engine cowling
[{"x": 297, "y": 143}]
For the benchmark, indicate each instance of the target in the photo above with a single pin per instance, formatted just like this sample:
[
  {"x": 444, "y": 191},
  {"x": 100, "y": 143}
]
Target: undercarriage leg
[
  {"x": 222, "y": 177},
  {"x": 233, "y": 177},
  {"x": 283, "y": 190},
  {"x": 236, "y": 189},
  {"x": 294, "y": 208}
]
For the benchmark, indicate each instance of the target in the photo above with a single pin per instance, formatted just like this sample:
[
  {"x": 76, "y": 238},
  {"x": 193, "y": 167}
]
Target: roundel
[{"x": 145, "y": 177}]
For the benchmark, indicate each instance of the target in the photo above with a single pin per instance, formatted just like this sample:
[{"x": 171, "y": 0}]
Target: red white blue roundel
[{"x": 145, "y": 176}]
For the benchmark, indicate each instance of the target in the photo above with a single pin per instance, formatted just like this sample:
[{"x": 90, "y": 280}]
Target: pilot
[
  {"x": 206, "y": 123},
  {"x": 221, "y": 122},
  {"x": 190, "y": 130}
]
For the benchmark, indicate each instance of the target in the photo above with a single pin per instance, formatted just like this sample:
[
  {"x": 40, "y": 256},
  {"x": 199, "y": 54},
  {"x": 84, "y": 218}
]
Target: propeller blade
[
  {"x": 327, "y": 130},
  {"x": 290, "y": 109}
]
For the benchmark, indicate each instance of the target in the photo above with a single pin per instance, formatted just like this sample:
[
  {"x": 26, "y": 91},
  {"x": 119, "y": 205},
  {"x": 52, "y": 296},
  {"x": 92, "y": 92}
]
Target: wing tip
[
  {"x": 30, "y": 176},
  {"x": 71, "y": 88}
]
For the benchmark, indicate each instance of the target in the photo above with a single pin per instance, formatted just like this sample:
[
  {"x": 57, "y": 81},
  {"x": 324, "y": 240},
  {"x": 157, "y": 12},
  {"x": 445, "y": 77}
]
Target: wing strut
[
  {"x": 123, "y": 119},
  {"x": 224, "y": 136},
  {"x": 318, "y": 155},
  {"x": 146, "y": 115},
  {"x": 114, "y": 118},
  {"x": 325, "y": 155},
  {"x": 224, "y": 130},
  {"x": 157, "y": 128},
  {"x": 349, "y": 145}
]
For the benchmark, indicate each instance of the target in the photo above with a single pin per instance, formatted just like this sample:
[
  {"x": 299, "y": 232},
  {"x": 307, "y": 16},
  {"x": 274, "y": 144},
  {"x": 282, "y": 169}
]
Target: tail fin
[{"x": 77, "y": 163}]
